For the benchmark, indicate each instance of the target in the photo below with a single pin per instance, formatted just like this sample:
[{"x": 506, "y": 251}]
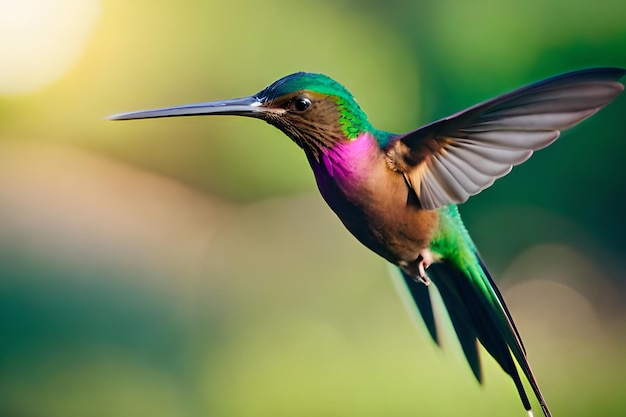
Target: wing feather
[{"x": 454, "y": 158}]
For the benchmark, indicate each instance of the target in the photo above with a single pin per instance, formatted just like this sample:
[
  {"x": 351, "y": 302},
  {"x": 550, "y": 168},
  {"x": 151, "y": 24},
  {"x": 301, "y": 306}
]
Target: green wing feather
[{"x": 474, "y": 304}]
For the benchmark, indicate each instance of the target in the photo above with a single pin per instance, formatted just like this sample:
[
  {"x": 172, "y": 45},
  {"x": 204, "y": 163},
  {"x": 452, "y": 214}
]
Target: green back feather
[{"x": 454, "y": 244}]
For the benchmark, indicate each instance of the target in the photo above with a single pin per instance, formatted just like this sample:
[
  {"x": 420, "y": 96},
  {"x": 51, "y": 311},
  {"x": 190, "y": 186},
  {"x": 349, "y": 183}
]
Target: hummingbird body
[
  {"x": 351, "y": 178},
  {"x": 398, "y": 193}
]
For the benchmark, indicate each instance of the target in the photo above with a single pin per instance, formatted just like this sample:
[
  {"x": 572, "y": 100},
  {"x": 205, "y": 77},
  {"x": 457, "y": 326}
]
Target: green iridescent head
[
  {"x": 300, "y": 81},
  {"x": 323, "y": 94}
]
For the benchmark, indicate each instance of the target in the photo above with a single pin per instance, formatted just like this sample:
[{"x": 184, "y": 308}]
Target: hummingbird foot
[
  {"x": 417, "y": 268},
  {"x": 424, "y": 260},
  {"x": 422, "y": 277}
]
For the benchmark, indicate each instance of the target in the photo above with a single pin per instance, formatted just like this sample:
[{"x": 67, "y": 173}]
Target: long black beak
[{"x": 245, "y": 106}]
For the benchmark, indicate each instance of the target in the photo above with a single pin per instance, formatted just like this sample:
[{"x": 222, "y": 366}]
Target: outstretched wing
[{"x": 449, "y": 160}]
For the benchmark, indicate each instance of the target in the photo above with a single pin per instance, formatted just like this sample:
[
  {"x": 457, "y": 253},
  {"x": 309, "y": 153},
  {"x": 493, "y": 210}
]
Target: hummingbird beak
[{"x": 245, "y": 106}]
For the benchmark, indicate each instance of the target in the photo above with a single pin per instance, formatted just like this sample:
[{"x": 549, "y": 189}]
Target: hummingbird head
[{"x": 315, "y": 111}]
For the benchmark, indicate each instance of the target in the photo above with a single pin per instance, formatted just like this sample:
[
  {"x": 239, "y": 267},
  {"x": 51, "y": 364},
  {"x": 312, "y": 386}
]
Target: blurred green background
[{"x": 188, "y": 267}]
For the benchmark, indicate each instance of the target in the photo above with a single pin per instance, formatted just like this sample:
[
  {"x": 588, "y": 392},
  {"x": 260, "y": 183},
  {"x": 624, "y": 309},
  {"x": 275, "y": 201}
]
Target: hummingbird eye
[{"x": 300, "y": 104}]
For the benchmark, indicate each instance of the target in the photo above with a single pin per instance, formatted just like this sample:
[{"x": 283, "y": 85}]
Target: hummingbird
[{"x": 398, "y": 193}]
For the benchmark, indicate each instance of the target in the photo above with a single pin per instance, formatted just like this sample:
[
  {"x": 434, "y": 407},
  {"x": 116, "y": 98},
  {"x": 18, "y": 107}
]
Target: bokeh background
[{"x": 188, "y": 267}]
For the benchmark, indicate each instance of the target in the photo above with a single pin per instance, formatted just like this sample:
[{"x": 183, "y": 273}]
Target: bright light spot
[{"x": 41, "y": 39}]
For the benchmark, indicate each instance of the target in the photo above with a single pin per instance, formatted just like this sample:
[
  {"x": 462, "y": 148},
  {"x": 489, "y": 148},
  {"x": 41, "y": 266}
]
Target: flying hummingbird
[{"x": 398, "y": 193}]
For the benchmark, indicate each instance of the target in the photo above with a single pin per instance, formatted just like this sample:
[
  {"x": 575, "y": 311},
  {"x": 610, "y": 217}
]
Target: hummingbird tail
[{"x": 478, "y": 313}]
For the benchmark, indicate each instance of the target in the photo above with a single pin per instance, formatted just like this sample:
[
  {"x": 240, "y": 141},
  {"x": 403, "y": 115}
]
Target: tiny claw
[
  {"x": 423, "y": 279},
  {"x": 421, "y": 272},
  {"x": 424, "y": 260},
  {"x": 417, "y": 268}
]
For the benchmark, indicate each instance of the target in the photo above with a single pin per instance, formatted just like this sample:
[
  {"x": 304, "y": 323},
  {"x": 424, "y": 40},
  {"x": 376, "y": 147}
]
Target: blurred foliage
[{"x": 186, "y": 267}]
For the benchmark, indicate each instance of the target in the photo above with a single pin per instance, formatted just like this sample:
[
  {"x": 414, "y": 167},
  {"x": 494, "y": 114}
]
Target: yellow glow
[{"x": 41, "y": 39}]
